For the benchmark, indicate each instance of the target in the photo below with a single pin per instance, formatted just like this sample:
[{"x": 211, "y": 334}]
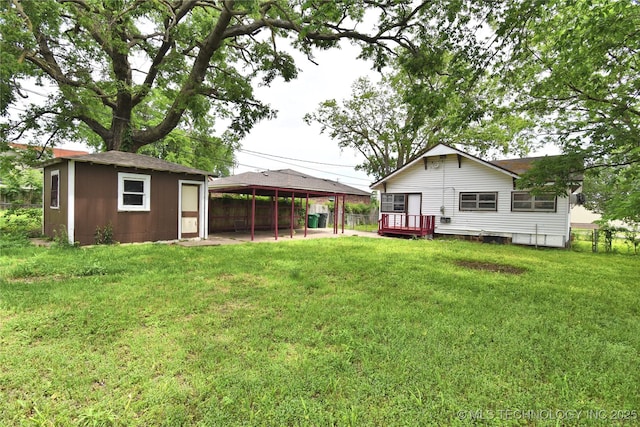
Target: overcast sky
[{"x": 289, "y": 137}]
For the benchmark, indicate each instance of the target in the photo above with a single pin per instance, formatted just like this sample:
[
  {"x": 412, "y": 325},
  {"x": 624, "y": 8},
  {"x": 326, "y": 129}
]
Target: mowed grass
[{"x": 349, "y": 331}]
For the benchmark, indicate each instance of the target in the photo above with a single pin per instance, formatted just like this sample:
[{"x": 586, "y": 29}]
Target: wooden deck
[{"x": 403, "y": 224}]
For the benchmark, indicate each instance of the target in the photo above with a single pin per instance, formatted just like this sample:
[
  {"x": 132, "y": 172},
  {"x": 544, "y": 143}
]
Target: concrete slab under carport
[{"x": 234, "y": 238}]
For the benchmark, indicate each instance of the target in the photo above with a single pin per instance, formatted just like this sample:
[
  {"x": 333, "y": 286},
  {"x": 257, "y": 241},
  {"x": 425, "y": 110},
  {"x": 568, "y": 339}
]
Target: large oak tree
[{"x": 130, "y": 72}]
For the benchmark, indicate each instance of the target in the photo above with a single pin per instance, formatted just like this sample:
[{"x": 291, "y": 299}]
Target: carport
[{"x": 285, "y": 183}]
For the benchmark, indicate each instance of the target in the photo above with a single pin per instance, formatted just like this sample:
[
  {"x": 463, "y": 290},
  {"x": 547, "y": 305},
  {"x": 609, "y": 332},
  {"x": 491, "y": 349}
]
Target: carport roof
[{"x": 267, "y": 182}]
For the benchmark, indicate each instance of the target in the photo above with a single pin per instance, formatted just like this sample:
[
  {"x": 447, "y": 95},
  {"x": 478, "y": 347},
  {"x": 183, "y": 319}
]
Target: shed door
[
  {"x": 189, "y": 211},
  {"x": 413, "y": 210}
]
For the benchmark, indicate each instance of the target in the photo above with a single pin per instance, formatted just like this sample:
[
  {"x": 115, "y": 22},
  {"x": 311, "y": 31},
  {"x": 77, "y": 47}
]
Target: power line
[
  {"x": 16, "y": 108},
  {"x": 22, "y": 89},
  {"x": 266, "y": 156},
  {"x": 286, "y": 173},
  {"x": 314, "y": 169},
  {"x": 297, "y": 160},
  {"x": 262, "y": 155}
]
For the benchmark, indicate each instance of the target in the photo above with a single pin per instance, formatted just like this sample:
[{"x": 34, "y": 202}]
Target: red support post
[
  {"x": 336, "y": 211},
  {"x": 306, "y": 215},
  {"x": 253, "y": 215},
  {"x": 344, "y": 204},
  {"x": 275, "y": 215},
  {"x": 293, "y": 203}
]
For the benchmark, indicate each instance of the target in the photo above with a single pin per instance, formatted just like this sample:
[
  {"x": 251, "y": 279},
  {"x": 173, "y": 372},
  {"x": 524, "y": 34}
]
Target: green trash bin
[
  {"x": 322, "y": 220},
  {"x": 312, "y": 221}
]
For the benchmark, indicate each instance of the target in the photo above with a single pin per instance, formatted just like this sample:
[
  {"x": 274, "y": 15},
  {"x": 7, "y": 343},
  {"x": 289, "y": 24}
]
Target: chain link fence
[{"x": 362, "y": 222}]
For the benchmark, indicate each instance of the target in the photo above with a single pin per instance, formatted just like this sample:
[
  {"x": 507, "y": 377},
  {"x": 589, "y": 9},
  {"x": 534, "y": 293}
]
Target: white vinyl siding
[{"x": 441, "y": 187}]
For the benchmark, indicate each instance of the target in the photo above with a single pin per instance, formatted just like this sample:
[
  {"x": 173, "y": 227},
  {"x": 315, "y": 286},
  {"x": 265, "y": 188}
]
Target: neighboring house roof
[
  {"x": 130, "y": 160},
  {"x": 518, "y": 166},
  {"x": 512, "y": 167},
  {"x": 57, "y": 152},
  {"x": 266, "y": 182}
]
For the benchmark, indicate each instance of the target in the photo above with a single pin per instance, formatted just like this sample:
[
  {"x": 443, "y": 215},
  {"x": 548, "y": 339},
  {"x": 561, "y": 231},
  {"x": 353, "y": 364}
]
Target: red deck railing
[{"x": 418, "y": 225}]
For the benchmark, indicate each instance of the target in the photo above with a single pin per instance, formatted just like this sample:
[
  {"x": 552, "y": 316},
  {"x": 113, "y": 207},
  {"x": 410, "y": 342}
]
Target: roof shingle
[
  {"x": 283, "y": 179},
  {"x": 517, "y": 166},
  {"x": 132, "y": 160}
]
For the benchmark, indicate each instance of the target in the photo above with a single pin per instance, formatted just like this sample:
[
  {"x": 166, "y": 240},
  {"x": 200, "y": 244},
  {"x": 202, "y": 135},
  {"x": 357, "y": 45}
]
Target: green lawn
[{"x": 350, "y": 331}]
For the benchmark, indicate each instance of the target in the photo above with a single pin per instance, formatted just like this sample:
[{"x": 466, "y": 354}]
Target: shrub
[
  {"x": 21, "y": 222},
  {"x": 353, "y": 208},
  {"x": 104, "y": 235},
  {"x": 61, "y": 239}
]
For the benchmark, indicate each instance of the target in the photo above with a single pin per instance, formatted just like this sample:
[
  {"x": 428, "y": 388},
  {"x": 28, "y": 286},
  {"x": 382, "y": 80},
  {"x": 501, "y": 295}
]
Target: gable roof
[
  {"x": 131, "y": 160},
  {"x": 511, "y": 167},
  {"x": 266, "y": 182},
  {"x": 443, "y": 149}
]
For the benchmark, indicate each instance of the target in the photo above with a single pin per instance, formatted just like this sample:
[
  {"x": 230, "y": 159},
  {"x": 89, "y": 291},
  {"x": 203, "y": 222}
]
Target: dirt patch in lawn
[{"x": 491, "y": 266}]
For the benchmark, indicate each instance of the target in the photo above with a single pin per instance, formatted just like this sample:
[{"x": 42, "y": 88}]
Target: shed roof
[
  {"x": 266, "y": 182},
  {"x": 131, "y": 160}
]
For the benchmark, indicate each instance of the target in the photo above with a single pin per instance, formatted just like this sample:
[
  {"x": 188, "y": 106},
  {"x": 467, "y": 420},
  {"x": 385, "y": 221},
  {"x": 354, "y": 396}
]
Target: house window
[
  {"x": 479, "y": 201},
  {"x": 134, "y": 192},
  {"x": 523, "y": 201},
  {"x": 392, "y": 202},
  {"x": 55, "y": 189}
]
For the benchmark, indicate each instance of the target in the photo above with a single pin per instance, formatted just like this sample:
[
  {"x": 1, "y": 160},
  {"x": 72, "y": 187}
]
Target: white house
[{"x": 463, "y": 195}]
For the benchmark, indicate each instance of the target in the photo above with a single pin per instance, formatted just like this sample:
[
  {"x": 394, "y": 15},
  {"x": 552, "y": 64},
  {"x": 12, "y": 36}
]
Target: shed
[
  {"x": 285, "y": 183},
  {"x": 141, "y": 198}
]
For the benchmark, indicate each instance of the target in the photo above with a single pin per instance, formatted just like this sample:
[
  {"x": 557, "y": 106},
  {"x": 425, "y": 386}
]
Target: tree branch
[
  {"x": 158, "y": 59},
  {"x": 212, "y": 42}
]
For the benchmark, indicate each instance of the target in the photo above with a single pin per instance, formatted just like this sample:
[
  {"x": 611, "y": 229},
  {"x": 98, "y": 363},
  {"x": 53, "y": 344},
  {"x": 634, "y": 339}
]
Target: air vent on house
[
  {"x": 577, "y": 199},
  {"x": 445, "y": 219}
]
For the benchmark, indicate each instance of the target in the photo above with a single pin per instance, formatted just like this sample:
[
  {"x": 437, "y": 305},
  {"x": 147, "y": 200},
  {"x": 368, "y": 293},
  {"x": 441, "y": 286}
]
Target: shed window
[
  {"x": 479, "y": 201},
  {"x": 523, "y": 201},
  {"x": 392, "y": 202},
  {"x": 55, "y": 189},
  {"x": 134, "y": 192}
]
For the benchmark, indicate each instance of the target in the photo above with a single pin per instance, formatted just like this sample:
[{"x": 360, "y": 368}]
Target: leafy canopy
[
  {"x": 573, "y": 67},
  {"x": 391, "y": 122},
  {"x": 130, "y": 73}
]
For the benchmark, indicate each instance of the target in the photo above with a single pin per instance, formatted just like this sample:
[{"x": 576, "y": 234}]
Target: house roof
[
  {"x": 57, "y": 152},
  {"x": 130, "y": 160},
  {"x": 443, "y": 149},
  {"x": 266, "y": 182},
  {"x": 512, "y": 167},
  {"x": 518, "y": 166}
]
